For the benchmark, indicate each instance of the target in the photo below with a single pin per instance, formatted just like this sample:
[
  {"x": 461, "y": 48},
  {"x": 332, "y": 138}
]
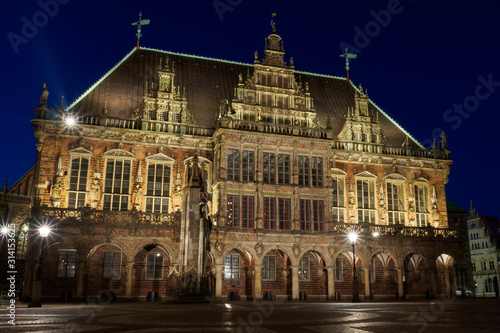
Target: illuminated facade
[{"x": 186, "y": 174}]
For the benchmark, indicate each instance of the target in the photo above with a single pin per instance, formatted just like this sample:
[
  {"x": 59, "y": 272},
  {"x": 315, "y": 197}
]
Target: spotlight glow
[
  {"x": 353, "y": 237},
  {"x": 44, "y": 231},
  {"x": 376, "y": 234},
  {"x": 70, "y": 121},
  {"x": 4, "y": 230}
]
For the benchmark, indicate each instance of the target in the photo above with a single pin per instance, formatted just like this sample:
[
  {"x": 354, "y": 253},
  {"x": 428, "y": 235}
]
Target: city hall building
[{"x": 178, "y": 175}]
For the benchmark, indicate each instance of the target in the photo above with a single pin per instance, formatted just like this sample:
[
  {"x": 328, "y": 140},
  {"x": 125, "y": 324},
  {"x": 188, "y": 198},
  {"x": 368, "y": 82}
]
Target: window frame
[
  {"x": 395, "y": 213},
  {"x": 233, "y": 272},
  {"x": 338, "y": 206},
  {"x": 164, "y": 207},
  {"x": 80, "y": 195},
  {"x": 305, "y": 272},
  {"x": 422, "y": 205},
  {"x": 267, "y": 268},
  {"x": 366, "y": 206},
  {"x": 66, "y": 263},
  {"x": 154, "y": 265},
  {"x": 113, "y": 266},
  {"x": 123, "y": 197}
]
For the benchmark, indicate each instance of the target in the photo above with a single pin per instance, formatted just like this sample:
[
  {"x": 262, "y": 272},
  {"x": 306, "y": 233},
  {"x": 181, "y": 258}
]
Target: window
[
  {"x": 112, "y": 265},
  {"x": 270, "y": 213},
  {"x": 283, "y": 169},
  {"x": 154, "y": 266},
  {"x": 232, "y": 266},
  {"x": 117, "y": 184},
  {"x": 317, "y": 171},
  {"x": 492, "y": 265},
  {"x": 233, "y": 164},
  {"x": 473, "y": 266},
  {"x": 303, "y": 171},
  {"x": 22, "y": 242},
  {"x": 488, "y": 285},
  {"x": 247, "y": 165},
  {"x": 234, "y": 218},
  {"x": 338, "y": 269},
  {"x": 366, "y": 200},
  {"x": 317, "y": 218},
  {"x": 158, "y": 188},
  {"x": 269, "y": 268},
  {"x": 285, "y": 213},
  {"x": 483, "y": 265},
  {"x": 66, "y": 264},
  {"x": 247, "y": 211},
  {"x": 77, "y": 192},
  {"x": 269, "y": 170},
  {"x": 304, "y": 268},
  {"x": 421, "y": 205},
  {"x": 338, "y": 202},
  {"x": 395, "y": 203}
]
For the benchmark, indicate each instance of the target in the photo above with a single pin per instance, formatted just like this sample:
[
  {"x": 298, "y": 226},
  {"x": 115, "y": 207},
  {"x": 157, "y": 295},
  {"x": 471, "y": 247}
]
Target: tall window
[
  {"x": 233, "y": 164},
  {"x": 234, "y": 218},
  {"x": 488, "y": 285},
  {"x": 366, "y": 200},
  {"x": 277, "y": 217},
  {"x": 473, "y": 266},
  {"x": 492, "y": 265},
  {"x": 247, "y": 217},
  {"x": 22, "y": 242},
  {"x": 285, "y": 212},
  {"x": 269, "y": 268},
  {"x": 338, "y": 202},
  {"x": 283, "y": 169},
  {"x": 112, "y": 265},
  {"x": 304, "y": 268},
  {"x": 338, "y": 269},
  {"x": 303, "y": 171},
  {"x": 158, "y": 188},
  {"x": 154, "y": 266},
  {"x": 77, "y": 193},
  {"x": 66, "y": 264},
  {"x": 269, "y": 168},
  {"x": 421, "y": 205},
  {"x": 311, "y": 211},
  {"x": 317, "y": 171},
  {"x": 483, "y": 265},
  {"x": 232, "y": 266},
  {"x": 395, "y": 203},
  {"x": 248, "y": 165},
  {"x": 117, "y": 184},
  {"x": 270, "y": 213}
]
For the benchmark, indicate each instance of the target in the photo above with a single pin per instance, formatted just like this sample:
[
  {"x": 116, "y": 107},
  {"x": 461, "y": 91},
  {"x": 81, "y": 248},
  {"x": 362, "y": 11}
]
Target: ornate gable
[
  {"x": 160, "y": 157},
  {"x": 272, "y": 93},
  {"x": 395, "y": 176},
  {"x": 361, "y": 126},
  {"x": 163, "y": 99},
  {"x": 366, "y": 174},
  {"x": 119, "y": 153},
  {"x": 79, "y": 151}
]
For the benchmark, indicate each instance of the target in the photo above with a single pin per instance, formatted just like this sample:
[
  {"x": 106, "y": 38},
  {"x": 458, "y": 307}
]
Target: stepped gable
[{"x": 206, "y": 83}]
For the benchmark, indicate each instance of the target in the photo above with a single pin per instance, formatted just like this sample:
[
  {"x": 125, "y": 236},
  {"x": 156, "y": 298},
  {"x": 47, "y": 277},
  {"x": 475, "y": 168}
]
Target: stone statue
[
  {"x": 137, "y": 195},
  {"x": 56, "y": 191},
  {"x": 44, "y": 96},
  {"x": 95, "y": 193}
]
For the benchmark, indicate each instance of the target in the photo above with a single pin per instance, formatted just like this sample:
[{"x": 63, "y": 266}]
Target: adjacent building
[
  {"x": 180, "y": 175},
  {"x": 484, "y": 237}
]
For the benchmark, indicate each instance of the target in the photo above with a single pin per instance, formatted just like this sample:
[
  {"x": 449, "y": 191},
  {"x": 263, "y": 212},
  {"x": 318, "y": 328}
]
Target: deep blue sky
[{"x": 429, "y": 57}]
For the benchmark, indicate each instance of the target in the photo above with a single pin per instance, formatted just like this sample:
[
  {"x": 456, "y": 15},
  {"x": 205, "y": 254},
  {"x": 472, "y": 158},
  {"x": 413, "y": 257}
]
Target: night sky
[{"x": 431, "y": 65}]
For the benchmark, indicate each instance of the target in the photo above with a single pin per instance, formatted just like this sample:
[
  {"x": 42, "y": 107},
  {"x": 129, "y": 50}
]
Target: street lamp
[
  {"x": 355, "y": 285},
  {"x": 36, "y": 296}
]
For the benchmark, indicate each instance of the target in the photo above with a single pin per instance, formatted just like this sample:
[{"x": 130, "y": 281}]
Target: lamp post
[
  {"x": 355, "y": 285},
  {"x": 36, "y": 297}
]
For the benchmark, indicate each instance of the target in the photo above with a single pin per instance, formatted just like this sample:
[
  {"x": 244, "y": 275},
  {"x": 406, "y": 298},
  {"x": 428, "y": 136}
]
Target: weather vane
[
  {"x": 139, "y": 24},
  {"x": 348, "y": 56}
]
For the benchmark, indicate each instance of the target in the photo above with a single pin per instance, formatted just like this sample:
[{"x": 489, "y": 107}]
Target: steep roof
[{"x": 207, "y": 82}]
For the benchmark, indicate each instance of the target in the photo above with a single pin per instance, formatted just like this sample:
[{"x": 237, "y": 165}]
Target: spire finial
[
  {"x": 140, "y": 23},
  {"x": 273, "y": 24},
  {"x": 348, "y": 56}
]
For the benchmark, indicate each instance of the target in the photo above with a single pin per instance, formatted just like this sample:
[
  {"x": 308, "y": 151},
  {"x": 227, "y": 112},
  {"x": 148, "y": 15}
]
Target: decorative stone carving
[
  {"x": 95, "y": 193},
  {"x": 137, "y": 196},
  {"x": 259, "y": 248},
  {"x": 219, "y": 247},
  {"x": 296, "y": 249}
]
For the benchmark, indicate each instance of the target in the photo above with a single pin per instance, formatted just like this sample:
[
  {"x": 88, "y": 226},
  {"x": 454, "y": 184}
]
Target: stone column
[
  {"x": 258, "y": 282},
  {"x": 128, "y": 286},
  {"x": 331, "y": 283},
  {"x": 433, "y": 279},
  {"x": 464, "y": 282},
  {"x": 447, "y": 283},
  {"x": 218, "y": 280},
  {"x": 400, "y": 283},
  {"x": 367, "y": 283},
  {"x": 295, "y": 283},
  {"x": 80, "y": 274}
]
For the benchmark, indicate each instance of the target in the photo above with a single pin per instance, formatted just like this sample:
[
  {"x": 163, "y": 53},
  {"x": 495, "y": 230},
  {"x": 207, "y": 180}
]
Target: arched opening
[
  {"x": 276, "y": 280},
  {"x": 383, "y": 276},
  {"x": 237, "y": 275},
  {"x": 313, "y": 277},
  {"x": 445, "y": 269},
  {"x": 151, "y": 273},
  {"x": 343, "y": 275},
  {"x": 417, "y": 276}
]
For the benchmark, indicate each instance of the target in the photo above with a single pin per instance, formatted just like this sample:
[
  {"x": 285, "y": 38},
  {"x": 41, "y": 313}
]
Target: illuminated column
[
  {"x": 400, "y": 282},
  {"x": 218, "y": 280},
  {"x": 295, "y": 282},
  {"x": 331, "y": 283},
  {"x": 367, "y": 282},
  {"x": 80, "y": 274},
  {"x": 128, "y": 286},
  {"x": 258, "y": 282}
]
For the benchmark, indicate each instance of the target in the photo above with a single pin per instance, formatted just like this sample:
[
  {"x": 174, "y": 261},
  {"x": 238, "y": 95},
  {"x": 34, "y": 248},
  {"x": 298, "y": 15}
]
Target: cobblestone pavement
[{"x": 455, "y": 315}]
